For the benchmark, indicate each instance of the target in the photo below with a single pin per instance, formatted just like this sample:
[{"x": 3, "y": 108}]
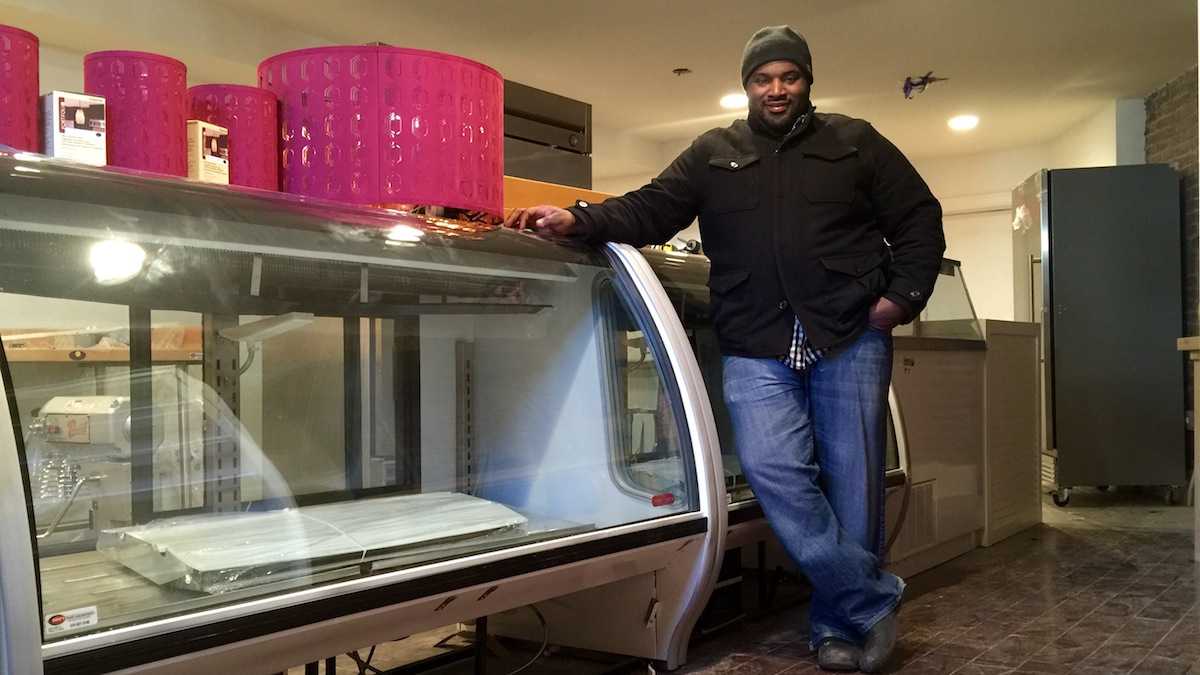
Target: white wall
[
  {"x": 983, "y": 243},
  {"x": 1092, "y": 142},
  {"x": 1131, "y": 131}
]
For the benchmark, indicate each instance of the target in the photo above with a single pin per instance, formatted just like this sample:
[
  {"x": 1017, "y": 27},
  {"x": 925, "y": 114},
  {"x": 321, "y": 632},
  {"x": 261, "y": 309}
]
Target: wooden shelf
[
  {"x": 97, "y": 356},
  {"x": 169, "y": 344}
]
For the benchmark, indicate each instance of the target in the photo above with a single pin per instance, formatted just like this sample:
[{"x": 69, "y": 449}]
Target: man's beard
[{"x": 780, "y": 124}]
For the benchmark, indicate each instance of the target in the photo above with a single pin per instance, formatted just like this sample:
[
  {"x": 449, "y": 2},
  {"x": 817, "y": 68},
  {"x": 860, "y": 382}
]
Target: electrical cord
[
  {"x": 545, "y": 641},
  {"x": 364, "y": 667},
  {"x": 900, "y": 433}
]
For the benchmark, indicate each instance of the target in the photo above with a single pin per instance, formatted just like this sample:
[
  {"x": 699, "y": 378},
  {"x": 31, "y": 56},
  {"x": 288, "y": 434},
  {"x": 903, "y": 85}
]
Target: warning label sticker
[{"x": 71, "y": 620}]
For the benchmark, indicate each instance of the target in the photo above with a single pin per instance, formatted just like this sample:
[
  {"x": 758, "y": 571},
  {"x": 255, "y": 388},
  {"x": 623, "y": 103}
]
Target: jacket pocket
[
  {"x": 854, "y": 264},
  {"x": 853, "y": 281},
  {"x": 865, "y": 268},
  {"x": 829, "y": 174},
  {"x": 732, "y": 183}
]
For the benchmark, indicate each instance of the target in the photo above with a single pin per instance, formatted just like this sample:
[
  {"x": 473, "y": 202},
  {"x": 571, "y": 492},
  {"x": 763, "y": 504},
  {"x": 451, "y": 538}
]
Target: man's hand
[
  {"x": 545, "y": 218},
  {"x": 885, "y": 315}
]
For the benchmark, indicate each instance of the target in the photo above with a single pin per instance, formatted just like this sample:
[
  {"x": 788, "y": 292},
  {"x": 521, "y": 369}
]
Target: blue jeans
[{"x": 812, "y": 447}]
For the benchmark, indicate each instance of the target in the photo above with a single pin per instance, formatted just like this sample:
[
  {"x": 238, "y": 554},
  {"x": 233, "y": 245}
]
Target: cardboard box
[
  {"x": 74, "y": 127},
  {"x": 208, "y": 152}
]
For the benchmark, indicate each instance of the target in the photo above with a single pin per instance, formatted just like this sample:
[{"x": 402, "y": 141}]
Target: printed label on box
[
  {"x": 208, "y": 152},
  {"x": 74, "y": 127},
  {"x": 216, "y": 146}
]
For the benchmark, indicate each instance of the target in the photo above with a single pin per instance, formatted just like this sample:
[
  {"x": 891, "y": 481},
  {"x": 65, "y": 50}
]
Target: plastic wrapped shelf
[{"x": 242, "y": 427}]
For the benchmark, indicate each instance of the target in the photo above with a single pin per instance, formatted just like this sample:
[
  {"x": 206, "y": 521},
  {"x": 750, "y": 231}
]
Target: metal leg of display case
[
  {"x": 331, "y": 665},
  {"x": 141, "y": 422},
  {"x": 313, "y": 668},
  {"x": 352, "y": 364},
  {"x": 481, "y": 646},
  {"x": 763, "y": 595},
  {"x": 222, "y": 448}
]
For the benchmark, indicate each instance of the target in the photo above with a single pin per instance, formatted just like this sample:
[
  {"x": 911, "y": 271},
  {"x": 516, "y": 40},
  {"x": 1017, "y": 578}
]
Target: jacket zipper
[{"x": 798, "y": 127}]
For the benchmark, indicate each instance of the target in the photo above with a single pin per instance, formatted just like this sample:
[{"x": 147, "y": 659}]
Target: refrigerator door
[
  {"x": 1116, "y": 310},
  {"x": 1030, "y": 203}
]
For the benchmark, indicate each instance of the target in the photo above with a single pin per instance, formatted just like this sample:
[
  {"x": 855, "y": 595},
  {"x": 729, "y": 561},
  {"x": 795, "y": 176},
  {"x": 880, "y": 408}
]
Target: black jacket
[{"x": 794, "y": 228}]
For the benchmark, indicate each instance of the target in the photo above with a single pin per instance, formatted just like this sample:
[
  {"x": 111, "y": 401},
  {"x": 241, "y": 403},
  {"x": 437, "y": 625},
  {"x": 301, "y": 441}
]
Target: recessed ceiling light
[
  {"x": 963, "y": 122},
  {"x": 734, "y": 101}
]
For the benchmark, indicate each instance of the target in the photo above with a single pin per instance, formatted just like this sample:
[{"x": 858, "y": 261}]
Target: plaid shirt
[{"x": 801, "y": 355}]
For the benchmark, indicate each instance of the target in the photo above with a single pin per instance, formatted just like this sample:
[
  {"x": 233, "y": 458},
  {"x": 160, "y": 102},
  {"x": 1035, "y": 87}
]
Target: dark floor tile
[
  {"x": 717, "y": 663},
  {"x": 1146, "y": 589},
  {"x": 1048, "y": 624},
  {"x": 1033, "y": 666},
  {"x": 1099, "y": 626},
  {"x": 987, "y": 634},
  {"x": 793, "y": 650},
  {"x": 1167, "y": 611},
  {"x": 1113, "y": 659},
  {"x": 1011, "y": 652},
  {"x": 1065, "y": 651},
  {"x": 1134, "y": 600},
  {"x": 1140, "y": 631},
  {"x": 976, "y": 668},
  {"x": 912, "y": 649},
  {"x": 1175, "y": 647},
  {"x": 960, "y": 650},
  {"x": 780, "y": 635},
  {"x": 1039, "y": 633},
  {"x": 933, "y": 665},
  {"x": 771, "y": 664},
  {"x": 1118, "y": 607},
  {"x": 1161, "y": 665}
]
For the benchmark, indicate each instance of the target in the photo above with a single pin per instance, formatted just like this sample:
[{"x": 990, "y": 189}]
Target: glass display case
[
  {"x": 949, "y": 313},
  {"x": 223, "y": 396}
]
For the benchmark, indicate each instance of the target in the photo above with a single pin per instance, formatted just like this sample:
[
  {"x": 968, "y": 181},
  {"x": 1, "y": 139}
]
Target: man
[{"x": 822, "y": 238}]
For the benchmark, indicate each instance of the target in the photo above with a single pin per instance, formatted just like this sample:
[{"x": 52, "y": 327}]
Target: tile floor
[{"x": 1106, "y": 585}]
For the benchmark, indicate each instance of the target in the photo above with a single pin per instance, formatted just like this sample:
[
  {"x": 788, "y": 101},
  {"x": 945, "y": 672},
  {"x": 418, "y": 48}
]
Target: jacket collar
[{"x": 818, "y": 137}]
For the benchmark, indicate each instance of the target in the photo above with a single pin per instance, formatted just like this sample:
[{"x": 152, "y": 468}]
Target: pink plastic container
[
  {"x": 146, "y": 98},
  {"x": 251, "y": 115},
  {"x": 385, "y": 125},
  {"x": 19, "y": 89}
]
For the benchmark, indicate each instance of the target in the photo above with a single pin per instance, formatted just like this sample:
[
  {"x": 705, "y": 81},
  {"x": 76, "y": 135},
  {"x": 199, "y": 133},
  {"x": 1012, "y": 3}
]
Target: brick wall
[{"x": 1171, "y": 139}]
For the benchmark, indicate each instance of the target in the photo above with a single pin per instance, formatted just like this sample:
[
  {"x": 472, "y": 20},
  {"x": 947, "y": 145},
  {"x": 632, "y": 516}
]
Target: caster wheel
[
  {"x": 1169, "y": 498},
  {"x": 1061, "y": 496},
  {"x": 1102, "y": 488}
]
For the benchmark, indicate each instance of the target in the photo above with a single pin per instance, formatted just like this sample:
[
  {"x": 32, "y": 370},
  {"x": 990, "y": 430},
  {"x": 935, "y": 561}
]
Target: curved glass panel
[{"x": 950, "y": 313}]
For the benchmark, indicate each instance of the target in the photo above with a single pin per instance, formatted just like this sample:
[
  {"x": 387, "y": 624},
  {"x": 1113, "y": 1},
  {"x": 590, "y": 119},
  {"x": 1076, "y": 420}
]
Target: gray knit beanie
[{"x": 776, "y": 43}]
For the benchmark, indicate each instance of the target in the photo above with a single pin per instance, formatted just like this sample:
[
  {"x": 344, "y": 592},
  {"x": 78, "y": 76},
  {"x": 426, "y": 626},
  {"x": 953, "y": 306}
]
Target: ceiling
[{"x": 1030, "y": 69}]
